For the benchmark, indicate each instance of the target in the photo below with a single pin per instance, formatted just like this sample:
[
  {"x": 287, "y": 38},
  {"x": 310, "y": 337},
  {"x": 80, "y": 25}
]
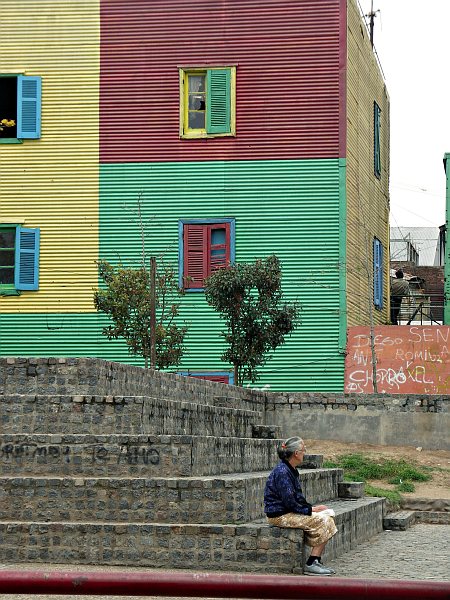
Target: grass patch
[
  {"x": 406, "y": 486},
  {"x": 363, "y": 468},
  {"x": 359, "y": 467},
  {"x": 393, "y": 497}
]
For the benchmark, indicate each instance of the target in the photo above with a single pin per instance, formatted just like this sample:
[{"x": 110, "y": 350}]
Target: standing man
[{"x": 399, "y": 288}]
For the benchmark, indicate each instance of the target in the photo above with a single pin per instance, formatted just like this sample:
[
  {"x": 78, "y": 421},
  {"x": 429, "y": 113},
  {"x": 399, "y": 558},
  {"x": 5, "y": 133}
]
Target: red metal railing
[{"x": 213, "y": 585}]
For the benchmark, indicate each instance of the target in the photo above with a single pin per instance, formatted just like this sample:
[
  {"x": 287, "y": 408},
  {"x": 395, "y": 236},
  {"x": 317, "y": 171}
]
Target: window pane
[
  {"x": 196, "y": 120},
  {"x": 6, "y": 276},
  {"x": 6, "y": 258},
  {"x": 196, "y": 102},
  {"x": 218, "y": 236},
  {"x": 7, "y": 238},
  {"x": 196, "y": 83}
]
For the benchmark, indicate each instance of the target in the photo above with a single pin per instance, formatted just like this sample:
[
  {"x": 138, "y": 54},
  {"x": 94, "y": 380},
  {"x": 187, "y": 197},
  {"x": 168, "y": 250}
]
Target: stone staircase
[{"x": 147, "y": 481}]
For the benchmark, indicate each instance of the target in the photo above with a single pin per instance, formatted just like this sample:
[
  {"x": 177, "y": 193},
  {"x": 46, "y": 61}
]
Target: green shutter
[
  {"x": 218, "y": 109},
  {"x": 376, "y": 141}
]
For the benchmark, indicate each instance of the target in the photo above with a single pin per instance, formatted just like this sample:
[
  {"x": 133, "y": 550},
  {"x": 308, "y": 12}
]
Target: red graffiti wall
[{"x": 409, "y": 360}]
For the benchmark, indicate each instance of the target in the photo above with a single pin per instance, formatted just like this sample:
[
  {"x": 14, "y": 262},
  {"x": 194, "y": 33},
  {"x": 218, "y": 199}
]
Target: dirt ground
[{"x": 437, "y": 487}]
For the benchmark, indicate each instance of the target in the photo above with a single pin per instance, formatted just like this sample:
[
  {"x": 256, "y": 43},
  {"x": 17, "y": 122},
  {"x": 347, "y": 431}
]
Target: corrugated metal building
[
  {"x": 270, "y": 121},
  {"x": 424, "y": 240}
]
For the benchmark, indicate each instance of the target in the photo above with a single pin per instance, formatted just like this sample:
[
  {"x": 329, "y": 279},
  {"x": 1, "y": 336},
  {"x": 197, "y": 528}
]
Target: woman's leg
[{"x": 317, "y": 550}]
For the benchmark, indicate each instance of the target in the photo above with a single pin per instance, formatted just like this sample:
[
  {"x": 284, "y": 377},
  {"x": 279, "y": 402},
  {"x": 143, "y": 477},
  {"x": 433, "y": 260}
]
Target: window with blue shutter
[
  {"x": 376, "y": 140},
  {"x": 20, "y": 108},
  {"x": 27, "y": 259},
  {"x": 377, "y": 274},
  {"x": 207, "y": 102}
]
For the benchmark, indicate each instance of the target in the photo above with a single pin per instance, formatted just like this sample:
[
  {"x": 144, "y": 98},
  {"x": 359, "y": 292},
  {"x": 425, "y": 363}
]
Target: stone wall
[
  {"x": 103, "y": 389},
  {"x": 220, "y": 499},
  {"x": 414, "y": 420},
  {"x": 122, "y": 414},
  {"x": 133, "y": 455},
  {"x": 94, "y": 377},
  {"x": 102, "y": 463}
]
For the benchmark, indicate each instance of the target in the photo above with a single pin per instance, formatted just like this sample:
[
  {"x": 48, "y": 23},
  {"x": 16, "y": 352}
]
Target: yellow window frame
[{"x": 185, "y": 131}]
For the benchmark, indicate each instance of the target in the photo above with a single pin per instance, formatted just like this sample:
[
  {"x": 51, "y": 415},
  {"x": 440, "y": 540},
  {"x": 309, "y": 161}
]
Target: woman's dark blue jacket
[{"x": 283, "y": 493}]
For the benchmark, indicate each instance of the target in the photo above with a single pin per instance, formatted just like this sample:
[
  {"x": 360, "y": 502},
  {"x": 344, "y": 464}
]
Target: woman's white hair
[{"x": 287, "y": 448}]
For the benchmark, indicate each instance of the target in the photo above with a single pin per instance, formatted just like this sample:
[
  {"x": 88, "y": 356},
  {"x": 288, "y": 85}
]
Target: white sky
[{"x": 411, "y": 38}]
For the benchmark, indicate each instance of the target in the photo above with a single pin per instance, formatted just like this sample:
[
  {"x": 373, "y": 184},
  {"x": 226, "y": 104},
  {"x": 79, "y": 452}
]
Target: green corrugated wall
[{"x": 290, "y": 208}]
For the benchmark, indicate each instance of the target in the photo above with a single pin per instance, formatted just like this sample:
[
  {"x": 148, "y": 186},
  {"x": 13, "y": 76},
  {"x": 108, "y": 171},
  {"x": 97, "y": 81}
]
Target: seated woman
[{"x": 286, "y": 506}]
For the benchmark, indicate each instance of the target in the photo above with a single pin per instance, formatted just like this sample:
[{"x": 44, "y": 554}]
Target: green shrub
[
  {"x": 392, "y": 496},
  {"x": 406, "y": 486},
  {"x": 358, "y": 467}
]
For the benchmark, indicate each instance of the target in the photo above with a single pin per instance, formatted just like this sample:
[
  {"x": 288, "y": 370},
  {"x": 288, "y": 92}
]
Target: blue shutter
[
  {"x": 377, "y": 274},
  {"x": 218, "y": 110},
  {"x": 28, "y": 107},
  {"x": 27, "y": 259},
  {"x": 376, "y": 140}
]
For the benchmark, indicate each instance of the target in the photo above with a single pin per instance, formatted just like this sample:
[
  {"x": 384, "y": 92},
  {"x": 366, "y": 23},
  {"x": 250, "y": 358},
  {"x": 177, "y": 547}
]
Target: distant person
[
  {"x": 399, "y": 289},
  {"x": 286, "y": 506}
]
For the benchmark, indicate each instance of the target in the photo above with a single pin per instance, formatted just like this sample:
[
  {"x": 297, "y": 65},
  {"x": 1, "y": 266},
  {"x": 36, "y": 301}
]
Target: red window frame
[{"x": 212, "y": 376}]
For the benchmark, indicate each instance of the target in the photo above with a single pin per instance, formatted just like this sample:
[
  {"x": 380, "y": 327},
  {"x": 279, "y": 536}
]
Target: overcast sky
[{"x": 411, "y": 38}]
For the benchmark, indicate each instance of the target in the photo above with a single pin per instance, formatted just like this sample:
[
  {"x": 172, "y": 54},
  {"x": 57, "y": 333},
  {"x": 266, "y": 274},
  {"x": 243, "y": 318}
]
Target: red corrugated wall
[{"x": 290, "y": 57}]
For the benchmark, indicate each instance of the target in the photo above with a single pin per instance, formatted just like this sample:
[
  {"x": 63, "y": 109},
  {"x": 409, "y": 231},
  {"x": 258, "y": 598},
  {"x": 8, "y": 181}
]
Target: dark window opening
[
  {"x": 7, "y": 256},
  {"x": 8, "y": 106}
]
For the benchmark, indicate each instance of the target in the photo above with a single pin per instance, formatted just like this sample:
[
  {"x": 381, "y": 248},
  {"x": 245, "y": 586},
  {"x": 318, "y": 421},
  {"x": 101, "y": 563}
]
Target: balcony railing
[{"x": 420, "y": 308}]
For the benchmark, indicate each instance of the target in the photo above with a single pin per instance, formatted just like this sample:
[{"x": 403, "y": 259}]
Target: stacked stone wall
[
  {"x": 94, "y": 377},
  {"x": 103, "y": 463},
  {"x": 122, "y": 415},
  {"x": 116, "y": 456},
  {"x": 397, "y": 420}
]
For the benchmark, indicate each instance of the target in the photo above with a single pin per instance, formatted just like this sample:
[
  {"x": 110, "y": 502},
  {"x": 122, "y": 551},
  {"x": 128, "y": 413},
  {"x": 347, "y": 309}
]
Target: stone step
[
  {"x": 131, "y": 415},
  {"x": 432, "y": 517},
  {"x": 428, "y": 510},
  {"x": 235, "y": 498},
  {"x": 400, "y": 520},
  {"x": 135, "y": 456},
  {"x": 426, "y": 504},
  {"x": 252, "y": 547},
  {"x": 92, "y": 377}
]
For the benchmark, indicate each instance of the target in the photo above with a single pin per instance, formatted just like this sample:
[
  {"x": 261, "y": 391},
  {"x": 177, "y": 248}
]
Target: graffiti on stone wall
[
  {"x": 409, "y": 360},
  {"x": 33, "y": 451},
  {"x": 125, "y": 454}
]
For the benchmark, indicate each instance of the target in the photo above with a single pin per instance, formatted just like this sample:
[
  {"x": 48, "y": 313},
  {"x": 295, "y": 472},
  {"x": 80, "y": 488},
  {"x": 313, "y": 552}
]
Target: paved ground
[{"x": 421, "y": 552}]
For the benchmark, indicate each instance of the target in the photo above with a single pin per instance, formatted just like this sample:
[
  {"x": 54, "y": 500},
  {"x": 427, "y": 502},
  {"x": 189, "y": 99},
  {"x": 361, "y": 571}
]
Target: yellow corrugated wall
[
  {"x": 52, "y": 182},
  {"x": 367, "y": 196}
]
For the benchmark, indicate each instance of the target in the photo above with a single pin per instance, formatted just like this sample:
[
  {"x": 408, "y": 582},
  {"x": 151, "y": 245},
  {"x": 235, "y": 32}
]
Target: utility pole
[{"x": 152, "y": 312}]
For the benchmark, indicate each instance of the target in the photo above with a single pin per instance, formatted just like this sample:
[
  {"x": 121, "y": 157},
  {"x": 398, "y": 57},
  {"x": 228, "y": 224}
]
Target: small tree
[
  {"x": 248, "y": 296},
  {"x": 127, "y": 300}
]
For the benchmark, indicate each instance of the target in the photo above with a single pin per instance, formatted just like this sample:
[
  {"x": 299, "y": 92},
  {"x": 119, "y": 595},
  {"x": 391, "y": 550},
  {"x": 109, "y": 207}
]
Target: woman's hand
[{"x": 319, "y": 508}]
